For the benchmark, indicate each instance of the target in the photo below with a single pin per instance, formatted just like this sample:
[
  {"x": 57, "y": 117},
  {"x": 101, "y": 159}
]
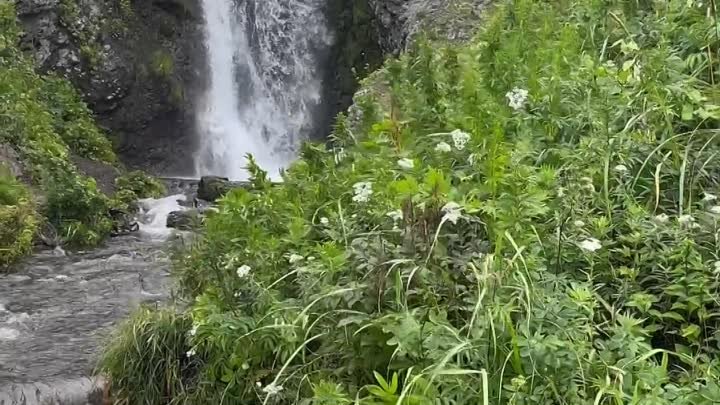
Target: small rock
[
  {"x": 187, "y": 220},
  {"x": 211, "y": 188}
]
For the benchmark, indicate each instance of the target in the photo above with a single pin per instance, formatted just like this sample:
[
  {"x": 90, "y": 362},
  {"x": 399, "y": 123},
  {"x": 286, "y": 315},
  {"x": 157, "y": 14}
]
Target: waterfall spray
[{"x": 264, "y": 83}]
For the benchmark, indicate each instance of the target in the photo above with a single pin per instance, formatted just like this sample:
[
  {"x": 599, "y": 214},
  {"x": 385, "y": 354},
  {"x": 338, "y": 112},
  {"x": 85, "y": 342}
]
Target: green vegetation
[
  {"x": 45, "y": 121},
  {"x": 18, "y": 219},
  {"x": 140, "y": 184},
  {"x": 162, "y": 64},
  {"x": 152, "y": 345},
  {"x": 531, "y": 218}
]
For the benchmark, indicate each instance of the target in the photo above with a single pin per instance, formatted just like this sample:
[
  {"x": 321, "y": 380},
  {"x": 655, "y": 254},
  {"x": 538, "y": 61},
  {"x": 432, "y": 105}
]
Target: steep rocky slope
[{"x": 136, "y": 63}]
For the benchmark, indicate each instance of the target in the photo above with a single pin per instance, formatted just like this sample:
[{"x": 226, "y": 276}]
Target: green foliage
[
  {"x": 44, "y": 119},
  {"x": 531, "y": 218},
  {"x": 162, "y": 63},
  {"x": 140, "y": 184},
  {"x": 18, "y": 220},
  {"x": 78, "y": 210},
  {"x": 150, "y": 351}
]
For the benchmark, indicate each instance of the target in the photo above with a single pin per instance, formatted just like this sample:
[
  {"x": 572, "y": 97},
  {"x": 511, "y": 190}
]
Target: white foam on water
[
  {"x": 9, "y": 334},
  {"x": 154, "y": 213}
]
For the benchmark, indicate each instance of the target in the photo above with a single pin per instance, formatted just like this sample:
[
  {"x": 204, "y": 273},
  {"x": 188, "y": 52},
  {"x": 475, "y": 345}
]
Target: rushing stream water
[
  {"x": 264, "y": 92},
  {"x": 56, "y": 309}
]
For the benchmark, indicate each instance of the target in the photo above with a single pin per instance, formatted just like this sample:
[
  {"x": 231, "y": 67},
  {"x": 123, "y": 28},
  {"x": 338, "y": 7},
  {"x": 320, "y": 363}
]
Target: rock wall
[
  {"x": 398, "y": 22},
  {"x": 140, "y": 63},
  {"x": 137, "y": 63}
]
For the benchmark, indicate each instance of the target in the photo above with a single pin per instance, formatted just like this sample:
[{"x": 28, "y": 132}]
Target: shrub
[
  {"x": 140, "y": 184},
  {"x": 18, "y": 220},
  {"x": 77, "y": 210},
  {"x": 533, "y": 220}
]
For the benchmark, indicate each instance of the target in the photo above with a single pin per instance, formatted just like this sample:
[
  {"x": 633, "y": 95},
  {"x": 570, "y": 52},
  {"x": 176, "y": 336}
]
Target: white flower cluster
[
  {"x": 443, "y": 147},
  {"x": 243, "y": 271},
  {"x": 273, "y": 389},
  {"x": 396, "y": 215},
  {"x": 517, "y": 98},
  {"x": 324, "y": 221},
  {"x": 406, "y": 163},
  {"x": 194, "y": 330},
  {"x": 452, "y": 211},
  {"x": 363, "y": 191},
  {"x": 460, "y": 139},
  {"x": 294, "y": 258},
  {"x": 590, "y": 245}
]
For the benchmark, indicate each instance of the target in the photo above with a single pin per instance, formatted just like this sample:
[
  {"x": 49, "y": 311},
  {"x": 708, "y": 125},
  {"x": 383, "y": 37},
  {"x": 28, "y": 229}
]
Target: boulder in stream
[
  {"x": 186, "y": 220},
  {"x": 211, "y": 188}
]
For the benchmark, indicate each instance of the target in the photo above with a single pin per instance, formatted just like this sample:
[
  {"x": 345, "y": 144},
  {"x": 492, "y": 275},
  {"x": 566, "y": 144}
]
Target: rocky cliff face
[
  {"x": 137, "y": 64},
  {"x": 398, "y": 22},
  {"x": 140, "y": 63}
]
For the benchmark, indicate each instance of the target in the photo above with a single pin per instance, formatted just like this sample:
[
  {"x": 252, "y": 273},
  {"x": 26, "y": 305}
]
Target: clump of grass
[{"x": 150, "y": 351}]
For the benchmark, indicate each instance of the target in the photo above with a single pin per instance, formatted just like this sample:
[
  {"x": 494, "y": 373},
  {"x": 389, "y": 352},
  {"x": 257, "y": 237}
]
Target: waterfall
[{"x": 264, "y": 88}]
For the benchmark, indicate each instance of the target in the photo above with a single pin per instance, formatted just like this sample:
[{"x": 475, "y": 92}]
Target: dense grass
[{"x": 531, "y": 218}]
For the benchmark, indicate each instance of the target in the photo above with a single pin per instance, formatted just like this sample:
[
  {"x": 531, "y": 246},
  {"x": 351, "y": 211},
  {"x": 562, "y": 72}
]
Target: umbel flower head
[
  {"x": 243, "y": 271},
  {"x": 443, "y": 147},
  {"x": 460, "y": 139},
  {"x": 517, "y": 98},
  {"x": 452, "y": 211},
  {"x": 363, "y": 191}
]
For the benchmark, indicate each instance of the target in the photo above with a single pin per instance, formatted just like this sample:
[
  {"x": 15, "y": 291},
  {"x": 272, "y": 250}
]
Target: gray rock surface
[
  {"x": 399, "y": 21},
  {"x": 56, "y": 310},
  {"x": 138, "y": 68}
]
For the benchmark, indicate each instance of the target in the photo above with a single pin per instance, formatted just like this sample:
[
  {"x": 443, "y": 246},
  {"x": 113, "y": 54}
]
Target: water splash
[
  {"x": 154, "y": 213},
  {"x": 264, "y": 91}
]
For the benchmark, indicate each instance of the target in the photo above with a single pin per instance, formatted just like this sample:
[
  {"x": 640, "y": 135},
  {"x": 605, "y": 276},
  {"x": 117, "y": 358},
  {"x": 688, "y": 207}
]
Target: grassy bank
[{"x": 531, "y": 218}]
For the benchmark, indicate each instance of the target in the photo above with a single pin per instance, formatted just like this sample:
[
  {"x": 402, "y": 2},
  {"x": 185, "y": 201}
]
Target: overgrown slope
[
  {"x": 528, "y": 219},
  {"x": 43, "y": 120}
]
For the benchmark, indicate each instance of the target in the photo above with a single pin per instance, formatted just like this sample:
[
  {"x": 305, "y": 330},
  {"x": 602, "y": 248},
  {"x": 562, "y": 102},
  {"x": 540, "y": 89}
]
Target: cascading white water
[{"x": 264, "y": 82}]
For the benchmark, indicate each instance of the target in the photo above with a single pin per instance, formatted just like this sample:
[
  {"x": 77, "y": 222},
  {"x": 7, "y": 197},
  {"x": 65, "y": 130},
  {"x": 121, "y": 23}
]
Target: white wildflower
[
  {"x": 662, "y": 218},
  {"x": 561, "y": 192},
  {"x": 396, "y": 215},
  {"x": 579, "y": 224},
  {"x": 363, "y": 191},
  {"x": 517, "y": 98},
  {"x": 190, "y": 353},
  {"x": 685, "y": 219},
  {"x": 621, "y": 169},
  {"x": 324, "y": 221},
  {"x": 717, "y": 268},
  {"x": 311, "y": 258},
  {"x": 453, "y": 212},
  {"x": 590, "y": 245},
  {"x": 715, "y": 209},
  {"x": 273, "y": 389},
  {"x": 245, "y": 366},
  {"x": 460, "y": 139},
  {"x": 243, "y": 271},
  {"x": 443, "y": 147},
  {"x": 237, "y": 294},
  {"x": 406, "y": 163},
  {"x": 258, "y": 384},
  {"x": 709, "y": 197},
  {"x": 294, "y": 258},
  {"x": 193, "y": 331}
]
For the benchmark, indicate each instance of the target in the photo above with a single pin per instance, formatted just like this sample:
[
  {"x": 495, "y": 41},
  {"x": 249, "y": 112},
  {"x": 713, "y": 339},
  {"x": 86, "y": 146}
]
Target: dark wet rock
[
  {"x": 211, "y": 188},
  {"x": 103, "y": 173},
  {"x": 400, "y": 21},
  {"x": 187, "y": 220},
  {"x": 137, "y": 67}
]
